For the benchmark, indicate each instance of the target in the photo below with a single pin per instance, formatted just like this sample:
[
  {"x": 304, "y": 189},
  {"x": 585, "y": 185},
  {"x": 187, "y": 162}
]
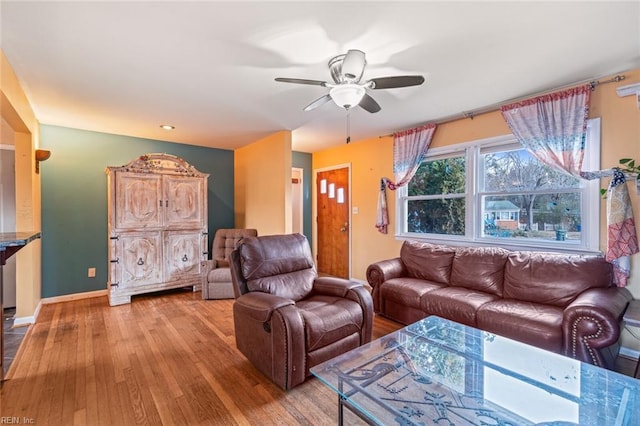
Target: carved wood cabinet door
[
  {"x": 138, "y": 201},
  {"x": 182, "y": 254},
  {"x": 184, "y": 202},
  {"x": 138, "y": 258}
]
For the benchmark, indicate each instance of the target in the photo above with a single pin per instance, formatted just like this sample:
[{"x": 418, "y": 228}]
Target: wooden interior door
[{"x": 333, "y": 222}]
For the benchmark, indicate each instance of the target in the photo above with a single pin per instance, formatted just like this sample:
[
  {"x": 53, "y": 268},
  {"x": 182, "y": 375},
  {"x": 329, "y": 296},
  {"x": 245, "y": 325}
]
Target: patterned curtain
[
  {"x": 553, "y": 127},
  {"x": 409, "y": 149}
]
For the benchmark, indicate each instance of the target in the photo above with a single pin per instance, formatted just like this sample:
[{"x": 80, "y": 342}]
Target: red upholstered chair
[
  {"x": 287, "y": 319},
  {"x": 216, "y": 281}
]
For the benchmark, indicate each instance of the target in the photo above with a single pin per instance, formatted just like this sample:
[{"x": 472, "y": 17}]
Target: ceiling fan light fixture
[{"x": 347, "y": 95}]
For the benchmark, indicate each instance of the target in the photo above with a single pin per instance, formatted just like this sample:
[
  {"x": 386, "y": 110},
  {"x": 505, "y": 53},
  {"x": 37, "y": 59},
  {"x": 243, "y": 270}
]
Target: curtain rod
[{"x": 497, "y": 106}]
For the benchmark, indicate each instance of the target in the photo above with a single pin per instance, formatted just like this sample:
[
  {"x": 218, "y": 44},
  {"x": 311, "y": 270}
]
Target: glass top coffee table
[{"x": 438, "y": 372}]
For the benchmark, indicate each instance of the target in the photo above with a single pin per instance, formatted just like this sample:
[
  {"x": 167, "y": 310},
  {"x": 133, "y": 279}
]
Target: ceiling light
[
  {"x": 347, "y": 95},
  {"x": 167, "y": 126}
]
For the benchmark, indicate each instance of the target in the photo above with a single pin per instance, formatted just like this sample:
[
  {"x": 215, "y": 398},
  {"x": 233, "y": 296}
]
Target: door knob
[{"x": 344, "y": 227}]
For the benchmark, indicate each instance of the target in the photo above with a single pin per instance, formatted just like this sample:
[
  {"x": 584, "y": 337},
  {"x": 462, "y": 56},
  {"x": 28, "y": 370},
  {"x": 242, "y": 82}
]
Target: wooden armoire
[{"x": 157, "y": 226}]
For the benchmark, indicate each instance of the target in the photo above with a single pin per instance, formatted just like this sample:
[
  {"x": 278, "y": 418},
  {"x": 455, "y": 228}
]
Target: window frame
[{"x": 589, "y": 190}]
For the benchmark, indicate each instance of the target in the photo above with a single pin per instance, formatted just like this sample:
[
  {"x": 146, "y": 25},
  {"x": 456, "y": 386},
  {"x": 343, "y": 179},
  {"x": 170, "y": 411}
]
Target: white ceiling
[{"x": 209, "y": 67}]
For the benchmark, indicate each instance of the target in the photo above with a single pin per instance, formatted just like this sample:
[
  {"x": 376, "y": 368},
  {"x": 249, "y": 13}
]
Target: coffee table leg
[{"x": 340, "y": 401}]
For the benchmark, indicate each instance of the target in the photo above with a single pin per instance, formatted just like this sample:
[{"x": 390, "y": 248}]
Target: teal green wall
[
  {"x": 302, "y": 160},
  {"x": 74, "y": 199}
]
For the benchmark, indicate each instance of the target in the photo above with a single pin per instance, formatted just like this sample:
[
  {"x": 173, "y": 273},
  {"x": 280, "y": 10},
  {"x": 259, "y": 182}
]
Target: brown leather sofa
[
  {"x": 559, "y": 302},
  {"x": 286, "y": 318}
]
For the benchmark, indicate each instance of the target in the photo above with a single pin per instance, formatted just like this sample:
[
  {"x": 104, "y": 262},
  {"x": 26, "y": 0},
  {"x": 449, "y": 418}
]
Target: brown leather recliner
[
  {"x": 216, "y": 280},
  {"x": 287, "y": 319}
]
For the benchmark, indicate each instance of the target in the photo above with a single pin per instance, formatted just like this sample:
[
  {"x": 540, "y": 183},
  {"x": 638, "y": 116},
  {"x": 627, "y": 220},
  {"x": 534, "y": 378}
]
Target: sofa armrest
[
  {"x": 379, "y": 272},
  {"x": 260, "y": 306},
  {"x": 591, "y": 324}
]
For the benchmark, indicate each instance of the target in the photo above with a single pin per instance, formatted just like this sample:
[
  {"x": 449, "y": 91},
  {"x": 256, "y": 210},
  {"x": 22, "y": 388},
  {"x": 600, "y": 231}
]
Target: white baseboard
[
  {"x": 629, "y": 353},
  {"x": 24, "y": 321},
  {"x": 74, "y": 296}
]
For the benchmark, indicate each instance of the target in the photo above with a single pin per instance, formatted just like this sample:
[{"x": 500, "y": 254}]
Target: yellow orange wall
[
  {"x": 17, "y": 113},
  {"x": 371, "y": 159},
  {"x": 262, "y": 185}
]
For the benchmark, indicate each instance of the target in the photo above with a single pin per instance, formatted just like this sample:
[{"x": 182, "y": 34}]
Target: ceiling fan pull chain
[{"x": 348, "y": 126}]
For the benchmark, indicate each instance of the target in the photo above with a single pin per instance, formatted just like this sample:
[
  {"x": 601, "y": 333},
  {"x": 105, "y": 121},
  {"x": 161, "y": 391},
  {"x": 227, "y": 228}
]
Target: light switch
[{"x": 354, "y": 210}]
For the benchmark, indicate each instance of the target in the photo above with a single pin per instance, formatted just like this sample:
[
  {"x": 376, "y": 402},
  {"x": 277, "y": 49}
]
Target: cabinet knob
[
  {"x": 185, "y": 258},
  {"x": 140, "y": 261}
]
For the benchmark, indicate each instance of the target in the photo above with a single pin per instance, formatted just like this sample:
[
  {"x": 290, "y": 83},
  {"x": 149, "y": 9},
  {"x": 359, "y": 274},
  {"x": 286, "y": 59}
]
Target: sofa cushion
[
  {"x": 458, "y": 304},
  {"x": 532, "y": 323},
  {"x": 407, "y": 291},
  {"x": 278, "y": 264},
  {"x": 480, "y": 268},
  {"x": 553, "y": 279},
  {"x": 427, "y": 261}
]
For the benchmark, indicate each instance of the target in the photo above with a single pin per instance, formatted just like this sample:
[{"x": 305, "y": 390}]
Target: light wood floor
[{"x": 165, "y": 359}]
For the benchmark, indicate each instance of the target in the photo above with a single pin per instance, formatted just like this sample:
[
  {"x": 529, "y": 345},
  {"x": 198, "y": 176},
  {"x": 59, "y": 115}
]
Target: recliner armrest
[
  {"x": 339, "y": 287},
  {"x": 333, "y": 286},
  {"x": 592, "y": 322},
  {"x": 260, "y": 306},
  {"x": 384, "y": 270}
]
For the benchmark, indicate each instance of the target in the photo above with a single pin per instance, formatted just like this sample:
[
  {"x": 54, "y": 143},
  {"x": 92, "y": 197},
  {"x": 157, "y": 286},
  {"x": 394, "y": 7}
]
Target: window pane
[
  {"x": 445, "y": 176},
  {"x": 442, "y": 216},
  {"x": 517, "y": 171},
  {"x": 552, "y": 217}
]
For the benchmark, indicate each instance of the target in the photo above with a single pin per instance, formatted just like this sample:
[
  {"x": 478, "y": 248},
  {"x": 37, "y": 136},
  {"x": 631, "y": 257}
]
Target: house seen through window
[{"x": 495, "y": 192}]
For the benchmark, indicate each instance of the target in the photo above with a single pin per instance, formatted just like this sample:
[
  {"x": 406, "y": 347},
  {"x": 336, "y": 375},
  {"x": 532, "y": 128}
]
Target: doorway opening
[{"x": 8, "y": 214}]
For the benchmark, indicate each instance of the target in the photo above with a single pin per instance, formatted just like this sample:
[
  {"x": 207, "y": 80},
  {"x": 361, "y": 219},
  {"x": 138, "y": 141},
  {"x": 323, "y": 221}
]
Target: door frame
[
  {"x": 298, "y": 173},
  {"x": 314, "y": 209}
]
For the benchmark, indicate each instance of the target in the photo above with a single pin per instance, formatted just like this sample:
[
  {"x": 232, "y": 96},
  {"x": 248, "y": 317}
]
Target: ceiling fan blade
[
  {"x": 302, "y": 81},
  {"x": 318, "y": 102},
  {"x": 353, "y": 65},
  {"x": 396, "y": 81},
  {"x": 369, "y": 104}
]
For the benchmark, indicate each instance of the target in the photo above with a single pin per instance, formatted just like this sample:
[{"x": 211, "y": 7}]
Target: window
[
  {"x": 436, "y": 197},
  {"x": 495, "y": 192}
]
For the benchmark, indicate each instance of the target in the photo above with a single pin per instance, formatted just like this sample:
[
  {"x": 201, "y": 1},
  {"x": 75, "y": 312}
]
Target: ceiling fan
[{"x": 347, "y": 91}]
